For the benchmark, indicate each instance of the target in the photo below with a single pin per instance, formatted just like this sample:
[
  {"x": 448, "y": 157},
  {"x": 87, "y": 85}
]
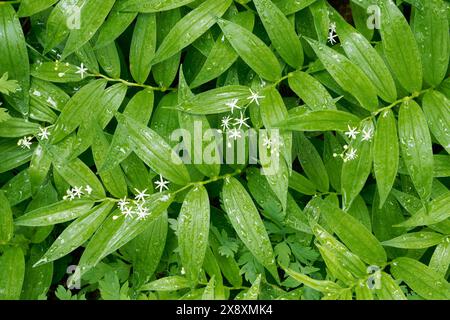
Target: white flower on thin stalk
[
  {"x": 25, "y": 142},
  {"x": 141, "y": 195},
  {"x": 234, "y": 134},
  {"x": 332, "y": 34},
  {"x": 142, "y": 212},
  {"x": 351, "y": 155},
  {"x": 127, "y": 212},
  {"x": 77, "y": 192},
  {"x": 367, "y": 135},
  {"x": 254, "y": 97},
  {"x": 226, "y": 123},
  {"x": 352, "y": 132},
  {"x": 267, "y": 143},
  {"x": 241, "y": 121},
  {"x": 88, "y": 189},
  {"x": 233, "y": 105},
  {"x": 161, "y": 184},
  {"x": 123, "y": 203},
  {"x": 43, "y": 134},
  {"x": 81, "y": 70},
  {"x": 69, "y": 195}
]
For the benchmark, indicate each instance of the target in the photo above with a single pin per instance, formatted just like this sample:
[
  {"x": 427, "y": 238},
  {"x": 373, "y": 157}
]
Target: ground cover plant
[{"x": 220, "y": 149}]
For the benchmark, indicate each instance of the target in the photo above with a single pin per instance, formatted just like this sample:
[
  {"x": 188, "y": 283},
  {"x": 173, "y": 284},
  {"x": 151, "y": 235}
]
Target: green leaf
[
  {"x": 252, "y": 50},
  {"x": 385, "y": 154},
  {"x": 190, "y": 28},
  {"x": 14, "y": 57},
  {"x": 430, "y": 30},
  {"x": 193, "y": 230},
  {"x": 400, "y": 48},
  {"x": 82, "y": 103},
  {"x": 415, "y": 142},
  {"x": 352, "y": 233},
  {"x": 311, "y": 91},
  {"x": 281, "y": 32},
  {"x": 389, "y": 290},
  {"x": 319, "y": 285},
  {"x": 415, "y": 240},
  {"x": 143, "y": 46},
  {"x": 151, "y": 5},
  {"x": 37, "y": 281},
  {"x": 92, "y": 16},
  {"x": 420, "y": 278},
  {"x": 12, "y": 271},
  {"x": 248, "y": 224},
  {"x": 6, "y": 219},
  {"x": 108, "y": 58},
  {"x": 437, "y": 111},
  {"x": 359, "y": 50},
  {"x": 155, "y": 152},
  {"x": 30, "y": 7},
  {"x": 77, "y": 233},
  {"x": 355, "y": 171},
  {"x": 347, "y": 74},
  {"x": 323, "y": 120},
  {"x": 170, "y": 283},
  {"x": 55, "y": 213},
  {"x": 8, "y": 86},
  {"x": 116, "y": 23},
  {"x": 440, "y": 260},
  {"x": 16, "y": 127}
]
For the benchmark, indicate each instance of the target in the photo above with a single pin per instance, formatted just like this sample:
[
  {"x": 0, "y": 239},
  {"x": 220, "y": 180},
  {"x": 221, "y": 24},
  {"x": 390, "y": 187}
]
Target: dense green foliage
[{"x": 348, "y": 197}]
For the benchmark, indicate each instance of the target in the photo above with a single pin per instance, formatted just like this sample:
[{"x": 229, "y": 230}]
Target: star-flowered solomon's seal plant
[{"x": 97, "y": 202}]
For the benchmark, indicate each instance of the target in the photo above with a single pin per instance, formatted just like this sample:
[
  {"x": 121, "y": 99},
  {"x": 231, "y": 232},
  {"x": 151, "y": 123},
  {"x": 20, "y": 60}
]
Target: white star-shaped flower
[
  {"x": 352, "y": 132},
  {"x": 267, "y": 142},
  {"x": 25, "y": 142},
  {"x": 254, "y": 97},
  {"x": 241, "y": 121},
  {"x": 44, "y": 134},
  {"x": 234, "y": 133},
  {"x": 127, "y": 212},
  {"x": 141, "y": 195},
  {"x": 333, "y": 27},
  {"x": 69, "y": 195},
  {"x": 367, "y": 135},
  {"x": 123, "y": 203},
  {"x": 161, "y": 184},
  {"x": 332, "y": 38},
  {"x": 351, "y": 155},
  {"x": 77, "y": 192},
  {"x": 81, "y": 70},
  {"x": 233, "y": 105},
  {"x": 142, "y": 212},
  {"x": 226, "y": 123}
]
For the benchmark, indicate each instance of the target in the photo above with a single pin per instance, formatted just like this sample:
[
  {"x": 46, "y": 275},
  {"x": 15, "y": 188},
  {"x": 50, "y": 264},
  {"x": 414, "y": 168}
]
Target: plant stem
[{"x": 132, "y": 84}]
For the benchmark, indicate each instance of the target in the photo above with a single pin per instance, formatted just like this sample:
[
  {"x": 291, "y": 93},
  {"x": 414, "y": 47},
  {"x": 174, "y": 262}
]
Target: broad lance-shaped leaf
[
  {"x": 324, "y": 120},
  {"x": 281, "y": 32},
  {"x": 436, "y": 107},
  {"x": 170, "y": 283},
  {"x": 140, "y": 108},
  {"x": 143, "y": 46},
  {"x": 14, "y": 59},
  {"x": 349, "y": 76},
  {"x": 248, "y": 224},
  {"x": 6, "y": 219},
  {"x": 389, "y": 290},
  {"x": 191, "y": 27},
  {"x": 147, "y": 248},
  {"x": 440, "y": 260},
  {"x": 222, "y": 55},
  {"x": 155, "y": 152},
  {"x": 116, "y": 23},
  {"x": 352, "y": 233},
  {"x": 58, "y": 72},
  {"x": 117, "y": 230},
  {"x": 399, "y": 46},
  {"x": 430, "y": 29},
  {"x": 193, "y": 231},
  {"x": 438, "y": 210},
  {"x": 12, "y": 271},
  {"x": 420, "y": 278},
  {"x": 415, "y": 142},
  {"x": 17, "y": 127},
  {"x": 216, "y": 100},
  {"x": 151, "y": 5},
  {"x": 385, "y": 154},
  {"x": 252, "y": 50},
  {"x": 30, "y": 7},
  {"x": 360, "y": 52},
  {"x": 38, "y": 280},
  {"x": 82, "y": 103},
  {"x": 92, "y": 15},
  {"x": 311, "y": 91},
  {"x": 77, "y": 233},
  {"x": 357, "y": 164},
  {"x": 319, "y": 285},
  {"x": 55, "y": 213},
  {"x": 415, "y": 240}
]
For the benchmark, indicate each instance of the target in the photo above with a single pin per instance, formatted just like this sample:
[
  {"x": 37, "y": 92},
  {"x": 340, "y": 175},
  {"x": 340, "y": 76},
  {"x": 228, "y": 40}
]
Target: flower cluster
[
  {"x": 25, "y": 142},
  {"x": 77, "y": 192},
  {"x": 352, "y": 133},
  {"x": 332, "y": 34},
  {"x": 134, "y": 207}
]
